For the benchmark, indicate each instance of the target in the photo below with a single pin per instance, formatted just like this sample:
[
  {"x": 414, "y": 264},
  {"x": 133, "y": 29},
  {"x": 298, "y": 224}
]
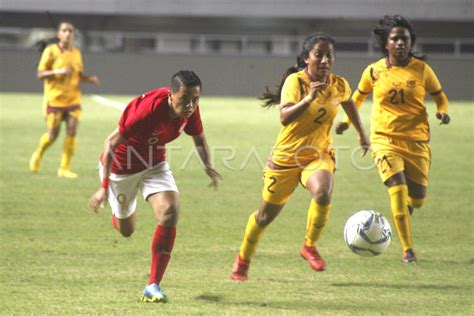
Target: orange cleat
[
  {"x": 310, "y": 254},
  {"x": 240, "y": 269}
]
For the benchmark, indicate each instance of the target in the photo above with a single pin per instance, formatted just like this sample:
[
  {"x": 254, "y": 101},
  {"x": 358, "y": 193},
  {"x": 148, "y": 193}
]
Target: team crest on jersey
[{"x": 411, "y": 83}]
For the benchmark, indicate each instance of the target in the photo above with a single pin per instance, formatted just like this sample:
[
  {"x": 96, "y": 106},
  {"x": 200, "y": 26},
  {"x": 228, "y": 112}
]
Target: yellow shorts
[
  {"x": 55, "y": 115},
  {"x": 392, "y": 156},
  {"x": 280, "y": 182}
]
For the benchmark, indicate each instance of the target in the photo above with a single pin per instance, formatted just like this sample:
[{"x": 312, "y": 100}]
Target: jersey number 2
[{"x": 322, "y": 112}]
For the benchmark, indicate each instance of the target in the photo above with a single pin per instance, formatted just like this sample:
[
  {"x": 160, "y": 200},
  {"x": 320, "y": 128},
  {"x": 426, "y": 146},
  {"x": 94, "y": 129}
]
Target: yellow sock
[
  {"x": 398, "y": 201},
  {"x": 318, "y": 216},
  {"x": 44, "y": 143},
  {"x": 253, "y": 234},
  {"x": 69, "y": 148},
  {"x": 416, "y": 203}
]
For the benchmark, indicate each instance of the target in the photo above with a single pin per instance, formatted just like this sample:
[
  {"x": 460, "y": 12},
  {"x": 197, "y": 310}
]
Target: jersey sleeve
[
  {"x": 137, "y": 114},
  {"x": 291, "y": 92},
  {"x": 432, "y": 84},
  {"x": 194, "y": 126},
  {"x": 46, "y": 60},
  {"x": 366, "y": 83},
  {"x": 346, "y": 90}
]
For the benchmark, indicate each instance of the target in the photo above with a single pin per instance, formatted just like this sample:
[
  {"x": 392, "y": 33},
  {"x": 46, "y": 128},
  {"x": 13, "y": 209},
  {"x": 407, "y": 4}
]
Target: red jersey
[{"x": 146, "y": 126}]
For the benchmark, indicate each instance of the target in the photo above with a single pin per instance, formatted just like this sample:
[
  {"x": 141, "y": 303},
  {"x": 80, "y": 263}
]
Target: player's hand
[
  {"x": 341, "y": 127},
  {"x": 215, "y": 177},
  {"x": 315, "y": 87},
  {"x": 98, "y": 199},
  {"x": 94, "y": 80},
  {"x": 364, "y": 144},
  {"x": 443, "y": 117},
  {"x": 63, "y": 71}
]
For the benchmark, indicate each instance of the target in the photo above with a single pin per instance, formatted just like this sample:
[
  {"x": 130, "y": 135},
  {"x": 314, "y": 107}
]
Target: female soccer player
[
  {"x": 309, "y": 97},
  {"x": 399, "y": 123},
  {"x": 134, "y": 158},
  {"x": 61, "y": 69}
]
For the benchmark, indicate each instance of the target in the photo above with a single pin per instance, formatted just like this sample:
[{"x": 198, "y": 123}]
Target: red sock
[
  {"x": 161, "y": 247},
  {"x": 114, "y": 222}
]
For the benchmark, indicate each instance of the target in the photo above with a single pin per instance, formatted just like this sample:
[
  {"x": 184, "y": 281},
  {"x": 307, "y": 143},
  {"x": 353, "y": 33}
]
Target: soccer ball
[{"x": 367, "y": 233}]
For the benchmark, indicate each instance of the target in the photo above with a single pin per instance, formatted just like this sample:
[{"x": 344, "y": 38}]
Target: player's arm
[
  {"x": 364, "y": 89},
  {"x": 100, "y": 197},
  {"x": 433, "y": 86},
  {"x": 202, "y": 148},
  {"x": 358, "y": 98},
  {"x": 89, "y": 79},
  {"x": 442, "y": 103},
  {"x": 291, "y": 111},
  {"x": 353, "y": 114},
  {"x": 44, "y": 74},
  {"x": 45, "y": 66}
]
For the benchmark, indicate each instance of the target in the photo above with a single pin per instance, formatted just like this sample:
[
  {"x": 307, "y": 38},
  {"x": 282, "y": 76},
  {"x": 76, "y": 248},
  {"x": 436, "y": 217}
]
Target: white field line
[{"x": 109, "y": 103}]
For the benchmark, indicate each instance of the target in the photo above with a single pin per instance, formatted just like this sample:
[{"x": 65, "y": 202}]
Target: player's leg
[
  {"x": 125, "y": 226},
  {"x": 398, "y": 192},
  {"x": 320, "y": 184},
  {"x": 122, "y": 198},
  {"x": 416, "y": 195},
  {"x": 257, "y": 225},
  {"x": 391, "y": 166},
  {"x": 53, "y": 123},
  {"x": 277, "y": 189},
  {"x": 159, "y": 189},
  {"x": 69, "y": 146},
  {"x": 166, "y": 208},
  {"x": 123, "y": 202},
  {"x": 417, "y": 168}
]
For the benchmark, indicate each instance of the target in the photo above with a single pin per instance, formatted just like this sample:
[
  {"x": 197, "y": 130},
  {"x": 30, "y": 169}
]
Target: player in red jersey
[{"x": 134, "y": 159}]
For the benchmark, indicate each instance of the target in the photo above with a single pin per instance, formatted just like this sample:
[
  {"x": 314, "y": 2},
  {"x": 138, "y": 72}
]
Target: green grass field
[{"x": 58, "y": 257}]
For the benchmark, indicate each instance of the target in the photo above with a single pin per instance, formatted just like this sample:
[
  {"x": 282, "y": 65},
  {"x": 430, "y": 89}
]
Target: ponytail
[{"x": 273, "y": 98}]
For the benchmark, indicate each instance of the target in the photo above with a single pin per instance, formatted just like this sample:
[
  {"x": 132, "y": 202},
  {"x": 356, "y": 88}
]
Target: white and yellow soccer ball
[{"x": 367, "y": 233}]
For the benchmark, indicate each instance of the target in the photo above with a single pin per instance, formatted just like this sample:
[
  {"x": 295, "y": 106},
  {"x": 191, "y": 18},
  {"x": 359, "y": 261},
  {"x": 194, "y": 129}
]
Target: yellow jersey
[
  {"x": 62, "y": 90},
  {"x": 399, "y": 93},
  {"x": 306, "y": 138}
]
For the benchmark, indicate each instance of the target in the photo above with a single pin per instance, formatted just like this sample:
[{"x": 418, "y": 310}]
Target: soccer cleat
[
  {"x": 68, "y": 174},
  {"x": 153, "y": 294},
  {"x": 240, "y": 269},
  {"x": 409, "y": 256},
  {"x": 35, "y": 162},
  {"x": 410, "y": 209},
  {"x": 310, "y": 254}
]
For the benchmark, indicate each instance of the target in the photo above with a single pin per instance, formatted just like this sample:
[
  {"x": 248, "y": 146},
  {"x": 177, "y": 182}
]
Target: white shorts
[{"x": 123, "y": 188}]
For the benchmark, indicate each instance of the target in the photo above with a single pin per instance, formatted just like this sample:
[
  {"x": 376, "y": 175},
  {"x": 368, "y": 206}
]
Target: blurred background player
[
  {"x": 309, "y": 96},
  {"x": 61, "y": 69},
  {"x": 399, "y": 123},
  {"x": 134, "y": 158}
]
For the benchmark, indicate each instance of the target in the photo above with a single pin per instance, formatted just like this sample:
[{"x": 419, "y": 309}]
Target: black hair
[
  {"x": 382, "y": 30},
  {"x": 273, "y": 98},
  {"x": 187, "y": 78},
  {"x": 42, "y": 44}
]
